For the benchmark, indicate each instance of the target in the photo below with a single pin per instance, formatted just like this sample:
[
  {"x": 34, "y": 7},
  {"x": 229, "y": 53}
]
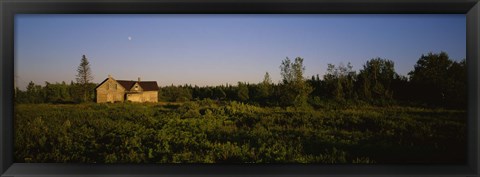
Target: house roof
[
  {"x": 146, "y": 85},
  {"x": 126, "y": 84},
  {"x": 101, "y": 83},
  {"x": 149, "y": 85}
]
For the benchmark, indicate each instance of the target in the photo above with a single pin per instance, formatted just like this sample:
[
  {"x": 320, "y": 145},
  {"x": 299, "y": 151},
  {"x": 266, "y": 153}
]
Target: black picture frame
[{"x": 8, "y": 9}]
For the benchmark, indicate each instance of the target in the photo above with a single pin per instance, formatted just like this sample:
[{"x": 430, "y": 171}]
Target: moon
[{"x": 129, "y": 38}]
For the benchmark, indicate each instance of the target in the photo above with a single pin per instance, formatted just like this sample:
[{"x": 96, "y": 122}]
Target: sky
[{"x": 219, "y": 49}]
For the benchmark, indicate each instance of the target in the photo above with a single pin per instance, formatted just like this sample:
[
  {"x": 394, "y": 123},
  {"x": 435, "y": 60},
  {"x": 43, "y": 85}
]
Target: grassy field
[{"x": 231, "y": 132}]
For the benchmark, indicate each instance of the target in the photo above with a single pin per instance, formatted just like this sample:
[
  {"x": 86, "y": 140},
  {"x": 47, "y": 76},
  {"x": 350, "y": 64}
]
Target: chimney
[
  {"x": 138, "y": 79},
  {"x": 109, "y": 76}
]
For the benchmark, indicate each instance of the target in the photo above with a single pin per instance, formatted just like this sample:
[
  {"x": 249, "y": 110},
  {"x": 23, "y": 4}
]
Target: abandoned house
[{"x": 111, "y": 90}]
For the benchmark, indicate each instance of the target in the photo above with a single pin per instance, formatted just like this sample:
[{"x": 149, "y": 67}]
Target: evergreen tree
[
  {"x": 218, "y": 93},
  {"x": 264, "y": 89},
  {"x": 84, "y": 77},
  {"x": 242, "y": 92}
]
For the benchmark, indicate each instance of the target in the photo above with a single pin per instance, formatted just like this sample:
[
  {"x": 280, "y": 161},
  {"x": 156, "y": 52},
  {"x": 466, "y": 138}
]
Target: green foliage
[
  {"x": 84, "y": 77},
  {"x": 436, "y": 81},
  {"x": 456, "y": 91},
  {"x": 340, "y": 82},
  {"x": 294, "y": 90},
  {"x": 376, "y": 79},
  {"x": 207, "y": 131},
  {"x": 175, "y": 93},
  {"x": 440, "y": 81},
  {"x": 54, "y": 93},
  {"x": 219, "y": 93},
  {"x": 189, "y": 110},
  {"x": 242, "y": 92},
  {"x": 295, "y": 121},
  {"x": 264, "y": 90}
]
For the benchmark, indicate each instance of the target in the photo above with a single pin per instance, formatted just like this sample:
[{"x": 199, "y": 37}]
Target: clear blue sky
[{"x": 218, "y": 49}]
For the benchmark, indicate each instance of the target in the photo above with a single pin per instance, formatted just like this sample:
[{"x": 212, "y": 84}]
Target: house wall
[
  {"x": 136, "y": 88},
  {"x": 134, "y": 97},
  {"x": 110, "y": 91},
  {"x": 150, "y": 96},
  {"x": 146, "y": 96}
]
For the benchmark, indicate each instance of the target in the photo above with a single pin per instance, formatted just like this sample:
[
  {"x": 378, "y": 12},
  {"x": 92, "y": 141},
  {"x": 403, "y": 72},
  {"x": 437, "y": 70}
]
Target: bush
[{"x": 235, "y": 132}]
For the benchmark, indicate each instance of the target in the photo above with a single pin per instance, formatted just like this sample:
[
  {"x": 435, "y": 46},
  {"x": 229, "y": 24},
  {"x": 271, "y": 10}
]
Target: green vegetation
[
  {"x": 375, "y": 116},
  {"x": 84, "y": 77},
  {"x": 436, "y": 81},
  {"x": 208, "y": 131}
]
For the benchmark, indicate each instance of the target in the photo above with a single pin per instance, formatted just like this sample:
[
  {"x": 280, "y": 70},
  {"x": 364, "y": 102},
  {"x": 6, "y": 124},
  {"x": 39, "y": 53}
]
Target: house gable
[
  {"x": 111, "y": 90},
  {"x": 108, "y": 82},
  {"x": 136, "y": 88}
]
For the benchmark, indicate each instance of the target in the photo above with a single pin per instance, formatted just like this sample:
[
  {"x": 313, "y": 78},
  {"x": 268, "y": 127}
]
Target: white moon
[{"x": 129, "y": 38}]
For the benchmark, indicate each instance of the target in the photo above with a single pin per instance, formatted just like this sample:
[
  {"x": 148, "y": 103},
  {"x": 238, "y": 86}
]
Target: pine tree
[
  {"x": 84, "y": 76},
  {"x": 266, "y": 86}
]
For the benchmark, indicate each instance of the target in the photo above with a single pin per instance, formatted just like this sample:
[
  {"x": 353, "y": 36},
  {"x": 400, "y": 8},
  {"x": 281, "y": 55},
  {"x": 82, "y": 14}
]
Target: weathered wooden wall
[
  {"x": 151, "y": 96},
  {"x": 110, "y": 91},
  {"x": 146, "y": 96}
]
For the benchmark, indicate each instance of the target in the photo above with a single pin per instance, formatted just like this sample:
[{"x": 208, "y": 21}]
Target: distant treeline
[
  {"x": 55, "y": 93},
  {"x": 436, "y": 81}
]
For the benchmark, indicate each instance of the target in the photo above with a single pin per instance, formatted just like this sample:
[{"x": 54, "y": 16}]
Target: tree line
[
  {"x": 55, "y": 93},
  {"x": 436, "y": 80},
  {"x": 81, "y": 91}
]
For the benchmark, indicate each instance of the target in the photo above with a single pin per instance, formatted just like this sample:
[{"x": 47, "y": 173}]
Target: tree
[
  {"x": 264, "y": 89},
  {"x": 266, "y": 79},
  {"x": 401, "y": 88},
  {"x": 456, "y": 92},
  {"x": 75, "y": 90},
  {"x": 206, "y": 92},
  {"x": 294, "y": 89},
  {"x": 84, "y": 76},
  {"x": 35, "y": 93},
  {"x": 57, "y": 93},
  {"x": 375, "y": 79},
  {"x": 19, "y": 96},
  {"x": 440, "y": 81},
  {"x": 52, "y": 96},
  {"x": 175, "y": 93},
  {"x": 32, "y": 93},
  {"x": 242, "y": 92},
  {"x": 430, "y": 77},
  {"x": 340, "y": 80},
  {"x": 333, "y": 80},
  {"x": 286, "y": 70},
  {"x": 218, "y": 93},
  {"x": 318, "y": 86}
]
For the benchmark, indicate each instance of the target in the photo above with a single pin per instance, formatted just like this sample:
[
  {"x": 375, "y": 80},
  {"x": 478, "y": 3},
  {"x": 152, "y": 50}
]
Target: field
[{"x": 232, "y": 132}]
